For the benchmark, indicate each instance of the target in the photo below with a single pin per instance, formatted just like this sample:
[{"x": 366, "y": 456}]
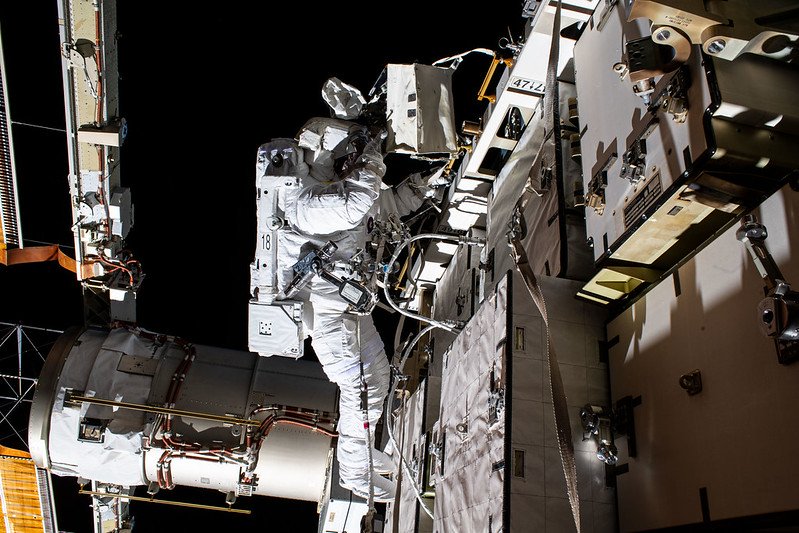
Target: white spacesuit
[{"x": 338, "y": 200}]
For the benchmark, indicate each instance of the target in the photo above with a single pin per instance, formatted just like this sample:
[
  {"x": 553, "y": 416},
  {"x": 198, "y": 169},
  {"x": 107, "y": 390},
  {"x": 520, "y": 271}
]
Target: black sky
[{"x": 202, "y": 86}]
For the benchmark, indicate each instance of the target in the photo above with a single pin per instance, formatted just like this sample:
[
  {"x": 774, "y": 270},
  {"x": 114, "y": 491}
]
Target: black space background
[{"x": 202, "y": 86}]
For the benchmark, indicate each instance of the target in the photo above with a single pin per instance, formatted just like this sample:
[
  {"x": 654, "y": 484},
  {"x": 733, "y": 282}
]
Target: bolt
[
  {"x": 716, "y": 46},
  {"x": 662, "y": 35},
  {"x": 768, "y": 316}
]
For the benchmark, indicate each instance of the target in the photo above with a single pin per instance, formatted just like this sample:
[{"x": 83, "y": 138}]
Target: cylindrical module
[{"x": 130, "y": 407}]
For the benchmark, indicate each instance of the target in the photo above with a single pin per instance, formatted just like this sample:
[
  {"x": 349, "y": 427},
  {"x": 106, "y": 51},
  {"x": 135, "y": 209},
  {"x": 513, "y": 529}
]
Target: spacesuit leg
[
  {"x": 352, "y": 444},
  {"x": 341, "y": 342}
]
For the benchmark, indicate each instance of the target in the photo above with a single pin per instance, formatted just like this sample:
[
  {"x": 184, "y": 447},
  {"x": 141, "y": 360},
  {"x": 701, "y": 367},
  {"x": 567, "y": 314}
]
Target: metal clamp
[{"x": 779, "y": 310}]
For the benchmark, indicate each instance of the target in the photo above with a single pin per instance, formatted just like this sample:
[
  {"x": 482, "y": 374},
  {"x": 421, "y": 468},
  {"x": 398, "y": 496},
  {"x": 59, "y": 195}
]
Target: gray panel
[
  {"x": 540, "y": 497},
  {"x": 203, "y": 394},
  {"x": 410, "y": 434},
  {"x": 295, "y": 391},
  {"x": 737, "y": 438},
  {"x": 201, "y": 390},
  {"x": 470, "y": 493},
  {"x": 612, "y": 117},
  {"x": 134, "y": 364},
  {"x": 454, "y": 292}
]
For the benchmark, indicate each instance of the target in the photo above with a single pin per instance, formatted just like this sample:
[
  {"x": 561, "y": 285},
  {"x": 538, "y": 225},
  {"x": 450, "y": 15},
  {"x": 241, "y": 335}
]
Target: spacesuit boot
[
  {"x": 384, "y": 489},
  {"x": 383, "y": 463}
]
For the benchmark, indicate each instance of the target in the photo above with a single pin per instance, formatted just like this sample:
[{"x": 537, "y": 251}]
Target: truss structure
[{"x": 23, "y": 350}]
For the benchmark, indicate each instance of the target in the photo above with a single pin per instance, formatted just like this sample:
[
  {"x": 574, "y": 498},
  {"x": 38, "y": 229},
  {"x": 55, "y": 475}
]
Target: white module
[
  {"x": 275, "y": 329},
  {"x": 420, "y": 95},
  {"x": 128, "y": 407}
]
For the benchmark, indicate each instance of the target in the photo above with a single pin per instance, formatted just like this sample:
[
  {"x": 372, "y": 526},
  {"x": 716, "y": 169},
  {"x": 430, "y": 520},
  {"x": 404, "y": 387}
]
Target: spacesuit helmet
[{"x": 332, "y": 145}]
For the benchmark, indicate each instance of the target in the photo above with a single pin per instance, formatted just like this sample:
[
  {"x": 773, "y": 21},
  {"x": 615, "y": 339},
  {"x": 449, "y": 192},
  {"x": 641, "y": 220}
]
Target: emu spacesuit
[{"x": 337, "y": 200}]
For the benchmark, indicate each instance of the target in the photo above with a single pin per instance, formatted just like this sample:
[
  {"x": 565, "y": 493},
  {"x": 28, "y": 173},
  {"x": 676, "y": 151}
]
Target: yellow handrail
[
  {"x": 481, "y": 94},
  {"x": 101, "y": 494}
]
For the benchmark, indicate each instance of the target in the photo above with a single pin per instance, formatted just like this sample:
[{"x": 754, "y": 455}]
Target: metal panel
[
  {"x": 500, "y": 465},
  {"x": 275, "y": 329},
  {"x": 538, "y": 497},
  {"x": 612, "y": 116},
  {"x": 134, "y": 364},
  {"x": 529, "y": 70},
  {"x": 410, "y": 431},
  {"x": 300, "y": 383},
  {"x": 735, "y": 438},
  {"x": 669, "y": 164},
  {"x": 454, "y": 295}
]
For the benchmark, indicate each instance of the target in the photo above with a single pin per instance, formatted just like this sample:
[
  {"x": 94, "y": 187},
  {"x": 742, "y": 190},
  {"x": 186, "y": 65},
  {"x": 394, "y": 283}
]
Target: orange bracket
[{"x": 481, "y": 94}]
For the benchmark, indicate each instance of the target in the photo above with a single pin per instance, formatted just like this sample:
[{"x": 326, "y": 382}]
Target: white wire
[
  {"x": 451, "y": 327},
  {"x": 464, "y": 54},
  {"x": 417, "y": 492},
  {"x": 432, "y": 323},
  {"x": 366, "y": 424}
]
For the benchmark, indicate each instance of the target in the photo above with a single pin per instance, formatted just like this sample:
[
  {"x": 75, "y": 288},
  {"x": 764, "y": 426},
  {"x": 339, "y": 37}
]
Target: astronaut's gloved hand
[
  {"x": 438, "y": 178},
  {"x": 372, "y": 155},
  {"x": 430, "y": 185},
  {"x": 374, "y": 147}
]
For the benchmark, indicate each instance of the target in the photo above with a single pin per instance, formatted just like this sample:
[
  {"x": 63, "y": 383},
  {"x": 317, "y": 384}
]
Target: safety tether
[{"x": 561, "y": 411}]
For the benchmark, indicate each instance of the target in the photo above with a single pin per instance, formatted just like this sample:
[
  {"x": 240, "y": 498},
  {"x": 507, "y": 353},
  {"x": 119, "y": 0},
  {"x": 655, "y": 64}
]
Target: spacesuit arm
[
  {"x": 416, "y": 188},
  {"x": 325, "y": 208},
  {"x": 406, "y": 195}
]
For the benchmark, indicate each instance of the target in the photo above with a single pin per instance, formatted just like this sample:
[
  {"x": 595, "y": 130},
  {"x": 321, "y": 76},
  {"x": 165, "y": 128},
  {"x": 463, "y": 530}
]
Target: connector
[{"x": 471, "y": 241}]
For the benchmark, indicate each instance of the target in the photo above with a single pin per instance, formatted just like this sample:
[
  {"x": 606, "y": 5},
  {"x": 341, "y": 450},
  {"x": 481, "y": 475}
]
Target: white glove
[
  {"x": 431, "y": 185},
  {"x": 437, "y": 178}
]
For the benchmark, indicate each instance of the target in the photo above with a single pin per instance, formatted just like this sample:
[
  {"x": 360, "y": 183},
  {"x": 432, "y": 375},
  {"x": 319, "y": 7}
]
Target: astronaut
[{"x": 339, "y": 169}]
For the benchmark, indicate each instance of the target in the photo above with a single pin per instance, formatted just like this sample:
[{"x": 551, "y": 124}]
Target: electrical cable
[
  {"x": 64, "y": 246},
  {"x": 389, "y": 426},
  {"x": 397, "y": 336},
  {"x": 459, "y": 57},
  {"x": 115, "y": 267},
  {"x": 448, "y": 325},
  {"x": 346, "y": 516},
  {"x": 18, "y": 123}
]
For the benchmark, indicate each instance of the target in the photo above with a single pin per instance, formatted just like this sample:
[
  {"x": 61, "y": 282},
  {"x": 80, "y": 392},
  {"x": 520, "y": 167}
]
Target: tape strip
[{"x": 41, "y": 254}]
